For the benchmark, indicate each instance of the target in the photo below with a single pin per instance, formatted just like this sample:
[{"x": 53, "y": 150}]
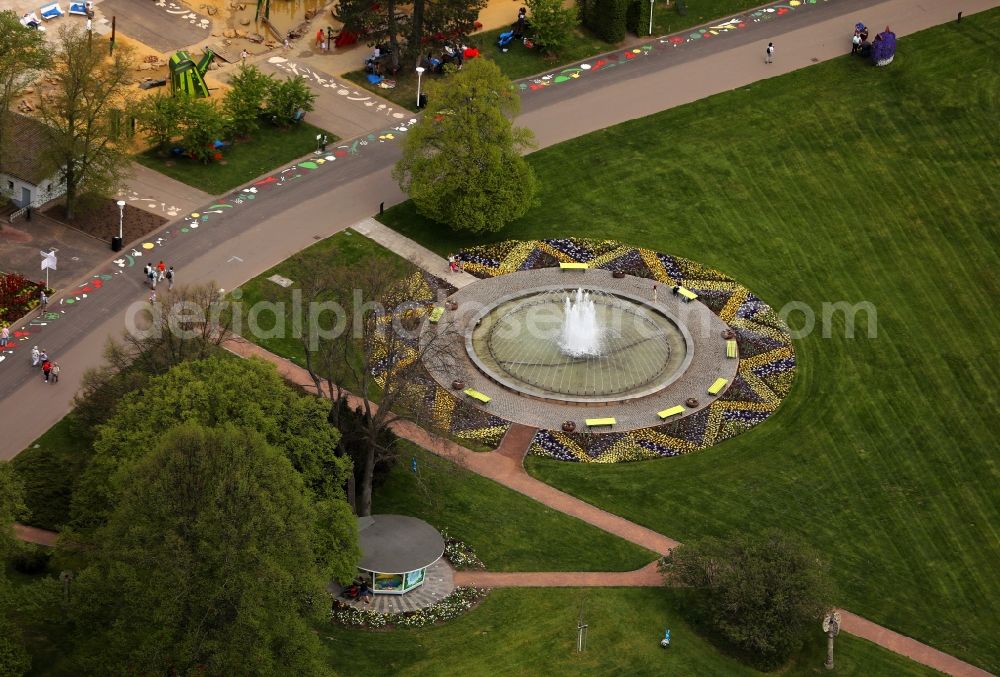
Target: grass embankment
[
  {"x": 345, "y": 249},
  {"x": 244, "y": 161},
  {"x": 509, "y": 531},
  {"x": 518, "y": 62},
  {"x": 49, "y": 468},
  {"x": 531, "y": 631},
  {"x": 840, "y": 182}
]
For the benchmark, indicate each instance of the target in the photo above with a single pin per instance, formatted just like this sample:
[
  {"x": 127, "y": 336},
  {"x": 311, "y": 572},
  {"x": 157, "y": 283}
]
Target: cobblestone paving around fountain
[{"x": 708, "y": 361}]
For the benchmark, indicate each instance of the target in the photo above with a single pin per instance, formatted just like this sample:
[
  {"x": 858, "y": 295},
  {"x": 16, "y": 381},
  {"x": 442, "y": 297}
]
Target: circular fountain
[
  {"x": 544, "y": 351},
  {"x": 582, "y": 345}
]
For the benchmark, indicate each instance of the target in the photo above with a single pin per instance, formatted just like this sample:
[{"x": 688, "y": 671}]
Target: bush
[
  {"x": 637, "y": 18},
  {"x": 762, "y": 593},
  {"x": 244, "y": 102},
  {"x": 287, "y": 97},
  {"x": 203, "y": 125},
  {"x": 607, "y": 19},
  {"x": 551, "y": 24},
  {"x": 31, "y": 560}
]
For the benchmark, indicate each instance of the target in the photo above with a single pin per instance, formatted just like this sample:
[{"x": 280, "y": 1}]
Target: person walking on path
[
  {"x": 55, "y": 373},
  {"x": 769, "y": 58},
  {"x": 43, "y": 356},
  {"x": 35, "y": 355},
  {"x": 152, "y": 277},
  {"x": 452, "y": 266},
  {"x": 243, "y": 57},
  {"x": 146, "y": 270},
  {"x": 43, "y": 301},
  {"x": 170, "y": 278},
  {"x": 161, "y": 270},
  {"x": 4, "y": 336},
  {"x": 319, "y": 38},
  {"x": 46, "y": 370}
]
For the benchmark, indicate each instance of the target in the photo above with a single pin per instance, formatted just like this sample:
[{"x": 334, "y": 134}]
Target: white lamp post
[
  {"x": 420, "y": 74},
  {"x": 121, "y": 218},
  {"x": 651, "y": 4}
]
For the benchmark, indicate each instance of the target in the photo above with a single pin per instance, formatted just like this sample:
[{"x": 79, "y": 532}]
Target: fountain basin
[{"x": 520, "y": 341}]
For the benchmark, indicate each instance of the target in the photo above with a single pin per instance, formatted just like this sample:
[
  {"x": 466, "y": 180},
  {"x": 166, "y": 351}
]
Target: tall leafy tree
[
  {"x": 462, "y": 162},
  {"x": 286, "y": 97},
  {"x": 244, "y": 101},
  {"x": 83, "y": 141},
  {"x": 764, "y": 593},
  {"x": 248, "y": 394},
  {"x": 551, "y": 24},
  {"x": 209, "y": 563},
  {"x": 162, "y": 117},
  {"x": 23, "y": 55},
  {"x": 203, "y": 126}
]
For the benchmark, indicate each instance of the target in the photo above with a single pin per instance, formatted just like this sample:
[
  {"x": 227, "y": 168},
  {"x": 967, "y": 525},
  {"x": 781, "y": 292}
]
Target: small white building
[{"x": 25, "y": 177}]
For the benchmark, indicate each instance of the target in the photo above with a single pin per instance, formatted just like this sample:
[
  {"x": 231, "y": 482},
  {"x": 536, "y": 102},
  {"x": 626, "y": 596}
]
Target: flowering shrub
[
  {"x": 454, "y": 605},
  {"x": 460, "y": 554},
  {"x": 18, "y": 295}
]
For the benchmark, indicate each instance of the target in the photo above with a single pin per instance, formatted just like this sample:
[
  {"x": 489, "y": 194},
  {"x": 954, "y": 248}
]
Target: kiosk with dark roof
[{"x": 396, "y": 551}]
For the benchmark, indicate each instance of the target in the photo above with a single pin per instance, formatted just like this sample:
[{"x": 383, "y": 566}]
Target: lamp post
[
  {"x": 652, "y": 3},
  {"x": 121, "y": 218},
  {"x": 420, "y": 74}
]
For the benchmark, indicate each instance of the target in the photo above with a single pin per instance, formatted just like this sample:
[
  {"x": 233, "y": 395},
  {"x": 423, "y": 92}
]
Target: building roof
[
  {"x": 397, "y": 544},
  {"x": 25, "y": 140}
]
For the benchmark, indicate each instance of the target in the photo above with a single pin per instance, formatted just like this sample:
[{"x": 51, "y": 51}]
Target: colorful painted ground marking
[
  {"x": 342, "y": 89},
  {"x": 194, "y": 219},
  {"x": 604, "y": 62}
]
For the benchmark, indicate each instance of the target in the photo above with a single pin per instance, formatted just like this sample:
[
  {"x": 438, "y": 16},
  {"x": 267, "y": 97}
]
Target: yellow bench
[
  {"x": 476, "y": 395},
  {"x": 717, "y": 387},
  {"x": 600, "y": 421},
  {"x": 574, "y": 266},
  {"x": 686, "y": 293},
  {"x": 436, "y": 314},
  {"x": 731, "y": 348},
  {"x": 672, "y": 411}
]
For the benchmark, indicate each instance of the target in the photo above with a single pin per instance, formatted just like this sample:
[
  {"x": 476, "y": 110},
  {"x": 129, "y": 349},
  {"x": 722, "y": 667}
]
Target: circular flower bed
[
  {"x": 461, "y": 556},
  {"x": 766, "y": 357}
]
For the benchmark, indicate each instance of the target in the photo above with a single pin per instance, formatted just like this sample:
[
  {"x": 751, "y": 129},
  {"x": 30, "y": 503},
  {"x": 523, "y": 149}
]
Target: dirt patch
[{"x": 102, "y": 221}]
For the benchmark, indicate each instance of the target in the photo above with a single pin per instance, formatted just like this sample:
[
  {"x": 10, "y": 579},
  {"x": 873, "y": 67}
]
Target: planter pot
[
  {"x": 618, "y": 274},
  {"x": 458, "y": 384},
  {"x": 729, "y": 334},
  {"x": 691, "y": 402},
  {"x": 569, "y": 426},
  {"x": 451, "y": 305}
]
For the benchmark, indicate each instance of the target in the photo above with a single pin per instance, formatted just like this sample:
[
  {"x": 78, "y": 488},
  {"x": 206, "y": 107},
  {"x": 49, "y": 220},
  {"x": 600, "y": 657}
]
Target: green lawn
[
  {"x": 530, "y": 631},
  {"x": 519, "y": 62},
  {"x": 840, "y": 182},
  {"x": 49, "y": 468},
  {"x": 344, "y": 248},
  {"x": 244, "y": 161},
  {"x": 509, "y": 532}
]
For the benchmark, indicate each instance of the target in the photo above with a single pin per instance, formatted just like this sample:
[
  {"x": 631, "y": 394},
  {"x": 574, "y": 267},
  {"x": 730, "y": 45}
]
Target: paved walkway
[
  {"x": 35, "y": 535},
  {"x": 415, "y": 253},
  {"x": 160, "y": 194},
  {"x": 646, "y": 577}
]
